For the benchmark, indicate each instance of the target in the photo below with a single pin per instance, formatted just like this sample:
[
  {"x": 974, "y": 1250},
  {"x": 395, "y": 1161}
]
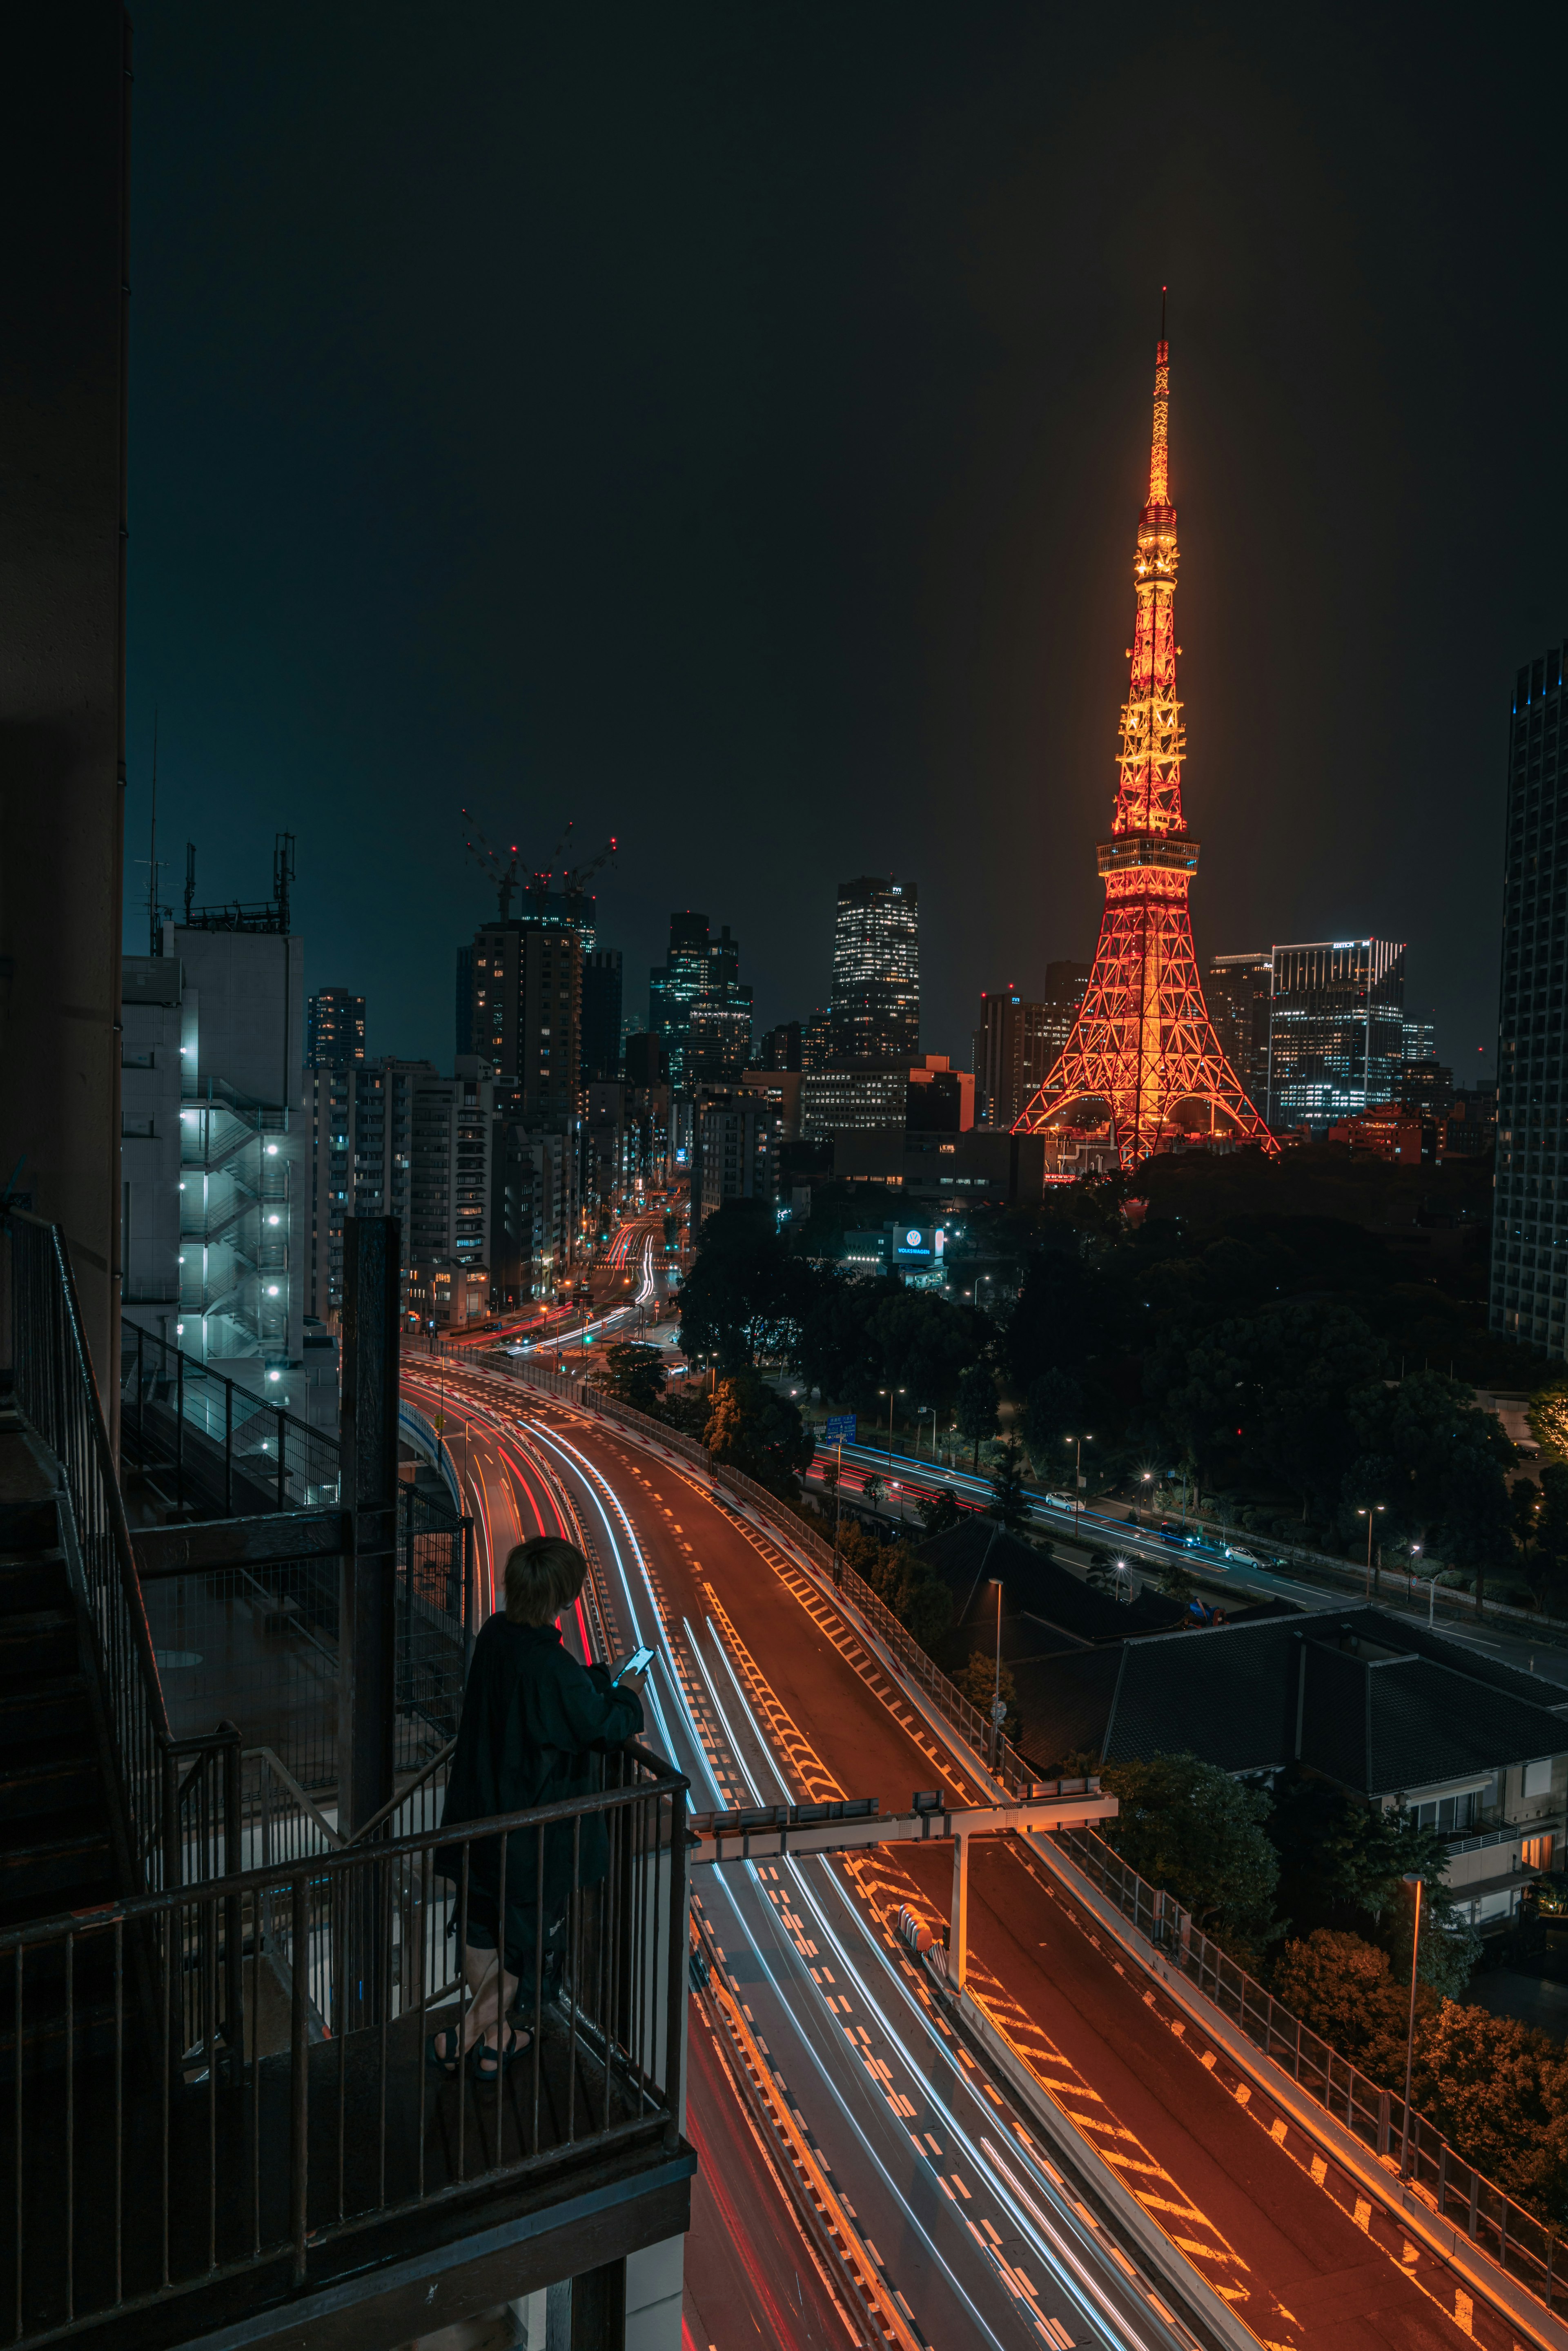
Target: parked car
[{"x": 1242, "y": 1557}]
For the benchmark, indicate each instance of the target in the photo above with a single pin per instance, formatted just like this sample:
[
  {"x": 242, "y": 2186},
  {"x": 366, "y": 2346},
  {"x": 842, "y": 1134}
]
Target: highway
[{"x": 762, "y": 1691}]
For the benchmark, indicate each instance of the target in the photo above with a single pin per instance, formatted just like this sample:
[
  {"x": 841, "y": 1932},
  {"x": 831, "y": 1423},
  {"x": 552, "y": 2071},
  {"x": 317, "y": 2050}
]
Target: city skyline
[{"x": 885, "y": 668}]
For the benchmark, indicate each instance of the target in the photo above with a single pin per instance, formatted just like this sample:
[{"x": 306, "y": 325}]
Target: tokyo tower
[{"x": 1143, "y": 1043}]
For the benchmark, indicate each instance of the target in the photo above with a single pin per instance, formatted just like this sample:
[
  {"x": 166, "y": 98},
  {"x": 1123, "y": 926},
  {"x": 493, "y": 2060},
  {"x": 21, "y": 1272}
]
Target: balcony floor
[{"x": 201, "y": 2186}]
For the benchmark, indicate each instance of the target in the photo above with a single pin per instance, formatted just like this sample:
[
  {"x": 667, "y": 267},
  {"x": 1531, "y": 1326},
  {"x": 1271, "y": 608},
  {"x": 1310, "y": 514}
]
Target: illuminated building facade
[
  {"x": 1336, "y": 1030},
  {"x": 697, "y": 1007},
  {"x": 334, "y": 1029},
  {"x": 1530, "y": 1226},
  {"x": 1018, "y": 1043},
  {"x": 875, "y": 1013},
  {"x": 1239, "y": 989},
  {"x": 1143, "y": 1049},
  {"x": 527, "y": 1018}
]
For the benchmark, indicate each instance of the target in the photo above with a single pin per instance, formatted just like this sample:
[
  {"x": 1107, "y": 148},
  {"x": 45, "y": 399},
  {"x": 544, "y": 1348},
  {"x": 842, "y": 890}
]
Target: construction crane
[
  {"x": 503, "y": 878},
  {"x": 508, "y": 882}
]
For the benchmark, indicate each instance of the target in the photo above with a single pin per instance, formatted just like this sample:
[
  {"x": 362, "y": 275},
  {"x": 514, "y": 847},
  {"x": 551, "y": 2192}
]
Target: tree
[
  {"x": 634, "y": 1375},
  {"x": 978, "y": 1680},
  {"x": 1342, "y": 1988},
  {"x": 1271, "y": 1394},
  {"x": 1190, "y": 1827},
  {"x": 1101, "y": 1575},
  {"x": 1054, "y": 1406},
  {"x": 1523, "y": 1509},
  {"x": 904, "y": 1582},
  {"x": 745, "y": 1295},
  {"x": 1054, "y": 1316},
  {"x": 978, "y": 1415},
  {"x": 1010, "y": 1500},
  {"x": 1343, "y": 1865},
  {"x": 938, "y": 1511},
  {"x": 874, "y": 1489},
  {"x": 759, "y": 1433},
  {"x": 1174, "y": 1578}
]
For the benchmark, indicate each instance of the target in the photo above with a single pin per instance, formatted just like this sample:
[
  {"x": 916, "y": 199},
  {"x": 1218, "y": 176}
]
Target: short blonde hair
[{"x": 543, "y": 1576}]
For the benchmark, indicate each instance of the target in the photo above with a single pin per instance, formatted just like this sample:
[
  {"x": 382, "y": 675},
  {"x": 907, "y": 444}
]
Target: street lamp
[
  {"x": 920, "y": 1412},
  {"x": 1125, "y": 1580},
  {"x": 1077, "y": 1443},
  {"x": 1372, "y": 1513},
  {"x": 890, "y": 1393},
  {"x": 998, "y": 1709},
  {"x": 1410, "y": 2032}
]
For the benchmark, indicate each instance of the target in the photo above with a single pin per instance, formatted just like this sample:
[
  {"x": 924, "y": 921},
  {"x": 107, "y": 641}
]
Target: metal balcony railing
[
  {"x": 211, "y": 2088},
  {"x": 217, "y": 1443},
  {"x": 176, "y": 1795}
]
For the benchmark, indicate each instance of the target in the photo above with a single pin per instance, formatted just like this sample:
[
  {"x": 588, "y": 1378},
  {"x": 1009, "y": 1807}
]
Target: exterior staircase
[{"x": 57, "y": 1834}]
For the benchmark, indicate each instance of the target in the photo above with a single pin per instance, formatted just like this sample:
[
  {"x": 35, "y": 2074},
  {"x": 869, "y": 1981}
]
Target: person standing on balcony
[{"x": 533, "y": 1725}]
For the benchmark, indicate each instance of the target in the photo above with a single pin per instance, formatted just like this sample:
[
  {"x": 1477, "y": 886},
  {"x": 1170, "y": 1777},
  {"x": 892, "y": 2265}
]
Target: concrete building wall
[{"x": 64, "y": 160}]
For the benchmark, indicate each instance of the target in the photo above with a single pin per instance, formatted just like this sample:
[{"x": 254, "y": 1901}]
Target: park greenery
[{"x": 1295, "y": 1347}]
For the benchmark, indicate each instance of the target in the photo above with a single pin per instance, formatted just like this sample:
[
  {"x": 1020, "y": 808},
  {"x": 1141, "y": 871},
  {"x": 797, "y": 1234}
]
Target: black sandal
[
  {"x": 487, "y": 2064},
  {"x": 447, "y": 2065}
]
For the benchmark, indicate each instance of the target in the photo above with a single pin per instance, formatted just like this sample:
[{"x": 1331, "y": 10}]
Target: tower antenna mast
[{"x": 1143, "y": 1047}]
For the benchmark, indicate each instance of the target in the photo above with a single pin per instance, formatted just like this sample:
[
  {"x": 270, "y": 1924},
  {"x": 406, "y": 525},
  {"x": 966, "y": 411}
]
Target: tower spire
[
  {"x": 1159, "y": 454},
  {"x": 1142, "y": 1057}
]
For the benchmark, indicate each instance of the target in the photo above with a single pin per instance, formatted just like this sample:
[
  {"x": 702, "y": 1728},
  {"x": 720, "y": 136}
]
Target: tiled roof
[{"x": 1348, "y": 1693}]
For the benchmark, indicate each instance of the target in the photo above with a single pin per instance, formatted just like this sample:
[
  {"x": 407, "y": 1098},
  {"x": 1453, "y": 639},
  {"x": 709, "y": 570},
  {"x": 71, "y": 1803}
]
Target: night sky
[{"x": 727, "y": 427}]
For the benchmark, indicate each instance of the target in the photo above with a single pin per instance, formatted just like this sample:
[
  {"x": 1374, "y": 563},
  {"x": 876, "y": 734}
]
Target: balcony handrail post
[
  {"x": 676, "y": 1989},
  {"x": 282, "y": 1439},
  {"x": 300, "y": 2070},
  {"x": 228, "y": 1448},
  {"x": 366, "y": 1637},
  {"x": 180, "y": 1430},
  {"x": 140, "y": 1397}
]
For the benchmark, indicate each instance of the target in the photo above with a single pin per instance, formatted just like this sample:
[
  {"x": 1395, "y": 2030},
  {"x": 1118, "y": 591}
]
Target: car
[{"x": 1242, "y": 1557}]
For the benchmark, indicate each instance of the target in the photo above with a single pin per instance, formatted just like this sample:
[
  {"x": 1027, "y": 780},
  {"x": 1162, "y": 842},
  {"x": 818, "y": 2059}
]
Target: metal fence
[
  {"x": 1527, "y": 2247},
  {"x": 207, "y": 2082},
  {"x": 216, "y": 1444}
]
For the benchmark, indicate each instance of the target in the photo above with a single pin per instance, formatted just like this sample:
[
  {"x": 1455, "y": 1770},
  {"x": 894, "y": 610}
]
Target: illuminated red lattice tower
[{"x": 1143, "y": 1042}]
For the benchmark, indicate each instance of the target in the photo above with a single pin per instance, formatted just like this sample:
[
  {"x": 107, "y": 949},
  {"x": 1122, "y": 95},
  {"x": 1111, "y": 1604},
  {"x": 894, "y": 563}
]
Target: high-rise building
[
  {"x": 1420, "y": 1038},
  {"x": 334, "y": 1029},
  {"x": 1143, "y": 1047},
  {"x": 876, "y": 970},
  {"x": 735, "y": 1136},
  {"x": 601, "y": 1047},
  {"x": 817, "y": 1038},
  {"x": 1530, "y": 1223},
  {"x": 361, "y": 1123},
  {"x": 1015, "y": 1045},
  {"x": 779, "y": 1047},
  {"x": 1336, "y": 1032},
  {"x": 867, "y": 1096},
  {"x": 1239, "y": 989},
  {"x": 697, "y": 1006},
  {"x": 527, "y": 1020}
]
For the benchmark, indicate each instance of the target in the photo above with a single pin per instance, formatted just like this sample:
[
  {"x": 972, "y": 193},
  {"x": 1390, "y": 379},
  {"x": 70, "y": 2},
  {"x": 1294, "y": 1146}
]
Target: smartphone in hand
[{"x": 634, "y": 1667}]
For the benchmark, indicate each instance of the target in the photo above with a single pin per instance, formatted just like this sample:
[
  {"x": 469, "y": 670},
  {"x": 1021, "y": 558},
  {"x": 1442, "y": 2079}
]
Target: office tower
[
  {"x": 876, "y": 970},
  {"x": 646, "y": 1062},
  {"x": 1066, "y": 985},
  {"x": 863, "y": 1097},
  {"x": 360, "y": 1120},
  {"x": 719, "y": 1035},
  {"x": 1143, "y": 1044},
  {"x": 817, "y": 1038},
  {"x": 1336, "y": 1034},
  {"x": 533, "y": 1207},
  {"x": 735, "y": 1140},
  {"x": 449, "y": 1189},
  {"x": 527, "y": 1020},
  {"x": 1239, "y": 989},
  {"x": 779, "y": 1047},
  {"x": 463, "y": 1031},
  {"x": 1420, "y": 1038},
  {"x": 701, "y": 1046},
  {"x": 334, "y": 1029},
  {"x": 1530, "y": 1226},
  {"x": 1015, "y": 1045},
  {"x": 601, "y": 1014}
]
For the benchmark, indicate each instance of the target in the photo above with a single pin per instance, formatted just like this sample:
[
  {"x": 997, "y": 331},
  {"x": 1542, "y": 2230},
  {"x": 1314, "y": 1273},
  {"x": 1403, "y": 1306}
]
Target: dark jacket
[{"x": 534, "y": 1722}]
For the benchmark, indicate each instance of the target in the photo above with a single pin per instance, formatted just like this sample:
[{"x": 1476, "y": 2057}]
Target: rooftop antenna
[
  {"x": 282, "y": 875},
  {"x": 190, "y": 879}
]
